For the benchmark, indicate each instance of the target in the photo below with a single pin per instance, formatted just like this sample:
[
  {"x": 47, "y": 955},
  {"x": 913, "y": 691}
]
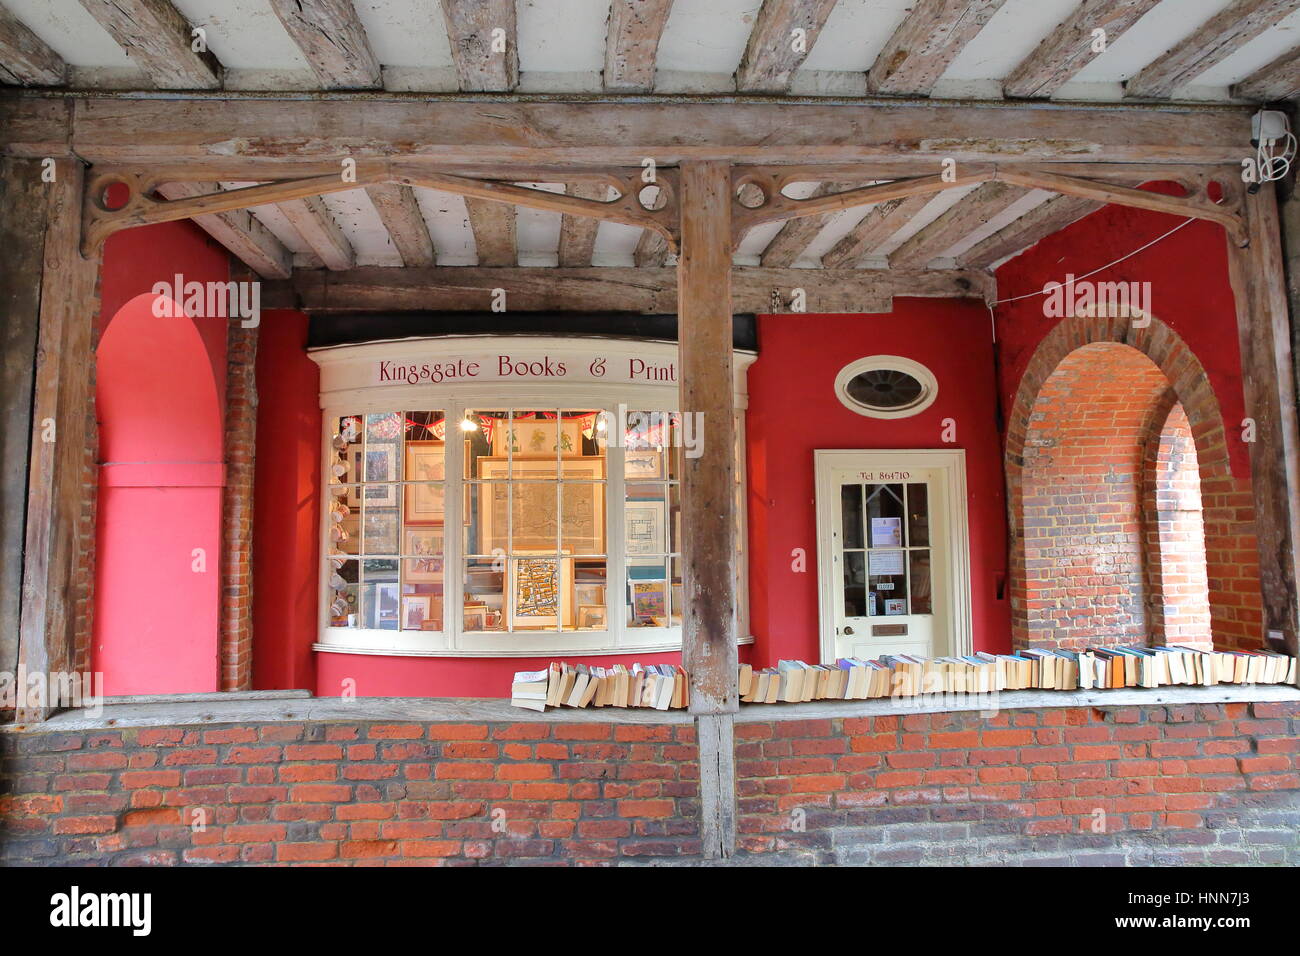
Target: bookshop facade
[{"x": 505, "y": 497}]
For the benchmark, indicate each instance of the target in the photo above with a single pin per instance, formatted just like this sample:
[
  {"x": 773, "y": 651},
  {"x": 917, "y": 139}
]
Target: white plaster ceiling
[
  {"x": 561, "y": 49},
  {"x": 561, "y": 46}
]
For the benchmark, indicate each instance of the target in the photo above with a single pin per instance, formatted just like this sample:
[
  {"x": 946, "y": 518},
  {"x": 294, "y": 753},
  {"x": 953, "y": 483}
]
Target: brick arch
[{"x": 1232, "y": 563}]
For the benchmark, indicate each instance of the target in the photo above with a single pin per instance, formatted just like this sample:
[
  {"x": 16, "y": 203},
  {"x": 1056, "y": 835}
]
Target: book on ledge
[{"x": 667, "y": 686}]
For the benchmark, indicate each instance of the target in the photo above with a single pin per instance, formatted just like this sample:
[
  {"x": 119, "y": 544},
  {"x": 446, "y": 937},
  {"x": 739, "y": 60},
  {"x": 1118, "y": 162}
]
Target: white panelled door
[{"x": 892, "y": 553}]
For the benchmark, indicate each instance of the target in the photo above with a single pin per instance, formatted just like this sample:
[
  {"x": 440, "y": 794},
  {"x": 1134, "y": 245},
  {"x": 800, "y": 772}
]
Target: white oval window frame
[{"x": 895, "y": 363}]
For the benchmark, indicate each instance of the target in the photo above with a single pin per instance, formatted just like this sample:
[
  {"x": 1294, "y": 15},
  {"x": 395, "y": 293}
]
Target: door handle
[{"x": 848, "y": 630}]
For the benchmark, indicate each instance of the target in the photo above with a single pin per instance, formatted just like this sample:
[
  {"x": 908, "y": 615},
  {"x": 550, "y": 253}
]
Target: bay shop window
[{"x": 488, "y": 497}]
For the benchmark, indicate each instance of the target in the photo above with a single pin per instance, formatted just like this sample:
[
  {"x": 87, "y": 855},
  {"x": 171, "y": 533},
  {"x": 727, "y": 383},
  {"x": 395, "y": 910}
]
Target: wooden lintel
[
  {"x": 108, "y": 129},
  {"x": 594, "y": 289}
]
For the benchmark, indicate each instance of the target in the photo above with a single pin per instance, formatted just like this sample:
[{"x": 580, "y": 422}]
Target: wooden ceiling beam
[
  {"x": 795, "y": 235},
  {"x": 244, "y": 236},
  {"x": 1279, "y": 80},
  {"x": 578, "y": 233},
  {"x": 651, "y": 250},
  {"x": 315, "y": 223},
  {"x": 1211, "y": 43},
  {"x": 155, "y": 35},
  {"x": 117, "y": 129},
  {"x": 1070, "y": 47},
  {"x": 460, "y": 288},
  {"x": 493, "y": 224},
  {"x": 632, "y": 43},
  {"x": 484, "y": 43},
  {"x": 1034, "y": 226},
  {"x": 26, "y": 59},
  {"x": 926, "y": 43},
  {"x": 333, "y": 41},
  {"x": 783, "y": 35},
  {"x": 968, "y": 214},
  {"x": 400, "y": 213},
  {"x": 873, "y": 230}
]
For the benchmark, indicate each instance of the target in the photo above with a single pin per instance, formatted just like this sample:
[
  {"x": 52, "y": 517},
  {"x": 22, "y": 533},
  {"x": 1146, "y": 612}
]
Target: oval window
[{"x": 886, "y": 386}]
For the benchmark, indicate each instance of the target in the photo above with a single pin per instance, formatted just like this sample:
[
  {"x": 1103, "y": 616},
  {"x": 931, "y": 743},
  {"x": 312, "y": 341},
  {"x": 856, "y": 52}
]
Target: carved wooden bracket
[
  {"x": 758, "y": 195},
  {"x": 120, "y": 198}
]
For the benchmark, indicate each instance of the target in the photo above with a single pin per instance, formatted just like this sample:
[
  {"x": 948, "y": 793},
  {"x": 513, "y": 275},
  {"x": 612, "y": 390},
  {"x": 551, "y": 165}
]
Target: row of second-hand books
[
  {"x": 661, "y": 686},
  {"x": 908, "y": 675}
]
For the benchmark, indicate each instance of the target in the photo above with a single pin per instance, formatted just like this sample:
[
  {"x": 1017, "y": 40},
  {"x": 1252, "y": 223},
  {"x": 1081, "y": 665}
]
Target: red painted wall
[
  {"x": 377, "y": 676},
  {"x": 286, "y": 505},
  {"x": 1190, "y": 293},
  {"x": 160, "y": 389},
  {"x": 793, "y": 411}
]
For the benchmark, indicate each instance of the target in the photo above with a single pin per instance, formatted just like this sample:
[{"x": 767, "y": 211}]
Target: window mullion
[
  {"x": 453, "y": 537},
  {"x": 615, "y": 550}
]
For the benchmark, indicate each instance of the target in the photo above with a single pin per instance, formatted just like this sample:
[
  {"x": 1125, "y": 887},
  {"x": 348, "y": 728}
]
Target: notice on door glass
[
  {"x": 886, "y": 562},
  {"x": 887, "y": 532}
]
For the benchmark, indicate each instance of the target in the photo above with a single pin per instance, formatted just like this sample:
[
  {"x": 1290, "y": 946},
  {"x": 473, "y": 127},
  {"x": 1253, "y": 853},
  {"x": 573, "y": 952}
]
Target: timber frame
[{"x": 723, "y": 165}]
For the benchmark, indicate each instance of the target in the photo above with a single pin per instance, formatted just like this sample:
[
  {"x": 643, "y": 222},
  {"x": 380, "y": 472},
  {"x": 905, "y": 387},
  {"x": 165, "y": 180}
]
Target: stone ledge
[{"x": 297, "y": 706}]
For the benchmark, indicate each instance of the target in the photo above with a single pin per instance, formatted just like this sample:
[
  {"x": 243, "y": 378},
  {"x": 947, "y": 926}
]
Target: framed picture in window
[
  {"x": 534, "y": 503},
  {"x": 644, "y": 528},
  {"x": 592, "y": 616},
  {"x": 649, "y": 603},
  {"x": 423, "y": 546},
  {"x": 475, "y": 617},
  {"x": 541, "y": 591},
  {"x": 532, "y": 437},
  {"x": 643, "y": 463},
  {"x": 373, "y": 464},
  {"x": 416, "y": 610},
  {"x": 425, "y": 464}
]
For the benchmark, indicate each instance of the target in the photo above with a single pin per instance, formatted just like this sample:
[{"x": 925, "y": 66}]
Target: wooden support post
[
  {"x": 22, "y": 229},
  {"x": 1268, "y": 378},
  {"x": 708, "y": 491},
  {"x": 69, "y": 301}
]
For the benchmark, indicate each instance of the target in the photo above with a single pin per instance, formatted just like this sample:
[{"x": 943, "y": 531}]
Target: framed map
[
  {"x": 535, "y": 508},
  {"x": 541, "y": 591}
]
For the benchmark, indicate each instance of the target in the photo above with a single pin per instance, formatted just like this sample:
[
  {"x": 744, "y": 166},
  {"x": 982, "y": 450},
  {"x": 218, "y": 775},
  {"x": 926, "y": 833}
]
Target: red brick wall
[
  {"x": 1178, "y": 589},
  {"x": 237, "y": 508},
  {"x": 1213, "y": 783},
  {"x": 1083, "y": 542},
  {"x": 1217, "y": 783},
  {"x": 351, "y": 793}
]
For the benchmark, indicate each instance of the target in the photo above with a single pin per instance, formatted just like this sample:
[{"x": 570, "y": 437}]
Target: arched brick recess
[
  {"x": 1228, "y": 512},
  {"x": 1178, "y": 608}
]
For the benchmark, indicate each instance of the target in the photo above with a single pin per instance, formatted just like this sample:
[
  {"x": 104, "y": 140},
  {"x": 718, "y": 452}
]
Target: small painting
[
  {"x": 416, "y": 610},
  {"x": 423, "y": 546}
]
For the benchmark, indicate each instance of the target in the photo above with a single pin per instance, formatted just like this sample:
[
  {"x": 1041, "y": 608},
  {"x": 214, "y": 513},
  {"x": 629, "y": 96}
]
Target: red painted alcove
[{"x": 160, "y": 480}]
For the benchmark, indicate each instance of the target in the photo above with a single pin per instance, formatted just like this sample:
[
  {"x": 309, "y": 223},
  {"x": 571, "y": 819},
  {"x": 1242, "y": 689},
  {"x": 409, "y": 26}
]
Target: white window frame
[
  {"x": 345, "y": 371},
  {"x": 895, "y": 363}
]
